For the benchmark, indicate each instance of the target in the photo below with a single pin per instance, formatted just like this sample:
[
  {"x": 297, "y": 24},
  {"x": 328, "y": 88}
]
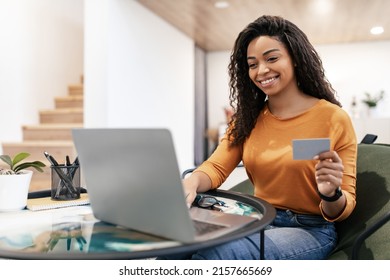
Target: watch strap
[{"x": 336, "y": 196}]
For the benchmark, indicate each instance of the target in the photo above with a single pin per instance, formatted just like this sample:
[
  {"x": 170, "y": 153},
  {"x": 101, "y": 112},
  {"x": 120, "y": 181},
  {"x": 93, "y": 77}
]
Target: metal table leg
[{"x": 262, "y": 244}]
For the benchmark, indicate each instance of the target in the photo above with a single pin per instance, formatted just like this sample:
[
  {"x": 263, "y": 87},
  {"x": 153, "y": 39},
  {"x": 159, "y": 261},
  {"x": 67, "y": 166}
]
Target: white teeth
[{"x": 267, "y": 81}]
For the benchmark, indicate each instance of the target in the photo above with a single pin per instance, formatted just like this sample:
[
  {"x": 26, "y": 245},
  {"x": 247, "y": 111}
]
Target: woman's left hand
[{"x": 329, "y": 172}]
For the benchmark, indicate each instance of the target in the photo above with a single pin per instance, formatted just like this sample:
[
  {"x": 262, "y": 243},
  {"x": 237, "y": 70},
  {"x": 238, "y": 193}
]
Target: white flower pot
[{"x": 14, "y": 191}]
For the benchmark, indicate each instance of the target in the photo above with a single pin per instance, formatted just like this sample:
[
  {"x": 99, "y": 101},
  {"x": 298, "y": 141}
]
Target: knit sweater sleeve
[
  {"x": 221, "y": 163},
  {"x": 346, "y": 147}
]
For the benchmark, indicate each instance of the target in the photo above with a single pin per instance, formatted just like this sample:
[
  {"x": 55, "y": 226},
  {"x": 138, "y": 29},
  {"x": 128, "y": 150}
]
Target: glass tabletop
[{"x": 74, "y": 233}]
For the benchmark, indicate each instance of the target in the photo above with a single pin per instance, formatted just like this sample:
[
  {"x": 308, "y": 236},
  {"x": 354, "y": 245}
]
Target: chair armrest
[
  {"x": 367, "y": 233},
  {"x": 187, "y": 171},
  {"x": 190, "y": 170},
  {"x": 369, "y": 139}
]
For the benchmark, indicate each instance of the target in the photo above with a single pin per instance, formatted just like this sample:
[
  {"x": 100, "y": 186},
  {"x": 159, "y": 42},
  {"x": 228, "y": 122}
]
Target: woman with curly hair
[{"x": 279, "y": 92}]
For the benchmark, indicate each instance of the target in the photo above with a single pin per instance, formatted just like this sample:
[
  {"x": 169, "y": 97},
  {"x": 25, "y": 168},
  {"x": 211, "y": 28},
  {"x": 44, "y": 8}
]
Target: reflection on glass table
[
  {"x": 74, "y": 233},
  {"x": 67, "y": 231}
]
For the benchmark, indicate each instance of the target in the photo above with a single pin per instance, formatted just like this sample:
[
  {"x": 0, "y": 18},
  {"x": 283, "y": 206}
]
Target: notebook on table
[
  {"x": 46, "y": 203},
  {"x": 133, "y": 180}
]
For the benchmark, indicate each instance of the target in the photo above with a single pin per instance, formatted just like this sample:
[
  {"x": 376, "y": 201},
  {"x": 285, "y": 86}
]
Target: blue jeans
[{"x": 290, "y": 237}]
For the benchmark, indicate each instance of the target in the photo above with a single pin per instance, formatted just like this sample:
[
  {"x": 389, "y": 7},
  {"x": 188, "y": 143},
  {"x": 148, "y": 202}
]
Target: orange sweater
[{"x": 267, "y": 157}]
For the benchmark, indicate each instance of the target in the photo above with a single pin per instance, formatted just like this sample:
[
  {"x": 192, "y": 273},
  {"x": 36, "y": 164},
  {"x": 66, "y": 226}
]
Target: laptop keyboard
[{"x": 203, "y": 227}]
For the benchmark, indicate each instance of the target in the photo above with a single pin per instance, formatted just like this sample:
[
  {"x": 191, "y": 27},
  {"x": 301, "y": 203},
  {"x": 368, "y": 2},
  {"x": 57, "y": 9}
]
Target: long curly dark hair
[{"x": 246, "y": 98}]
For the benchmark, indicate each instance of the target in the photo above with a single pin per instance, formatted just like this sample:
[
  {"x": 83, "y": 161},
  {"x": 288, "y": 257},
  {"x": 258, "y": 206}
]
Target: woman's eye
[
  {"x": 272, "y": 59},
  {"x": 252, "y": 65}
]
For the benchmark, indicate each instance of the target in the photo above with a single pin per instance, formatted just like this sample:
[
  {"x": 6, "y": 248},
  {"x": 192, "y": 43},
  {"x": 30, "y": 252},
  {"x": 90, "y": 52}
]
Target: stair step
[
  {"x": 71, "y": 101},
  {"x": 62, "y": 115},
  {"x": 59, "y": 150},
  {"x": 76, "y": 89},
  {"x": 49, "y": 132}
]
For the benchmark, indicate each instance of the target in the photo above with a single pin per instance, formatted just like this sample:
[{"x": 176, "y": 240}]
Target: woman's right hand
[
  {"x": 190, "y": 190},
  {"x": 197, "y": 182}
]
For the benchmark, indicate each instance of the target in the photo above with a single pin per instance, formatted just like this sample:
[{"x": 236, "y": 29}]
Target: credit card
[{"x": 309, "y": 148}]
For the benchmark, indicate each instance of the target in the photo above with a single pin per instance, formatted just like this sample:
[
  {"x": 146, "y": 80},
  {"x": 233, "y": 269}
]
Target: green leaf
[
  {"x": 36, "y": 164},
  {"x": 19, "y": 157},
  {"x": 39, "y": 163},
  {"x": 37, "y": 167},
  {"x": 7, "y": 160}
]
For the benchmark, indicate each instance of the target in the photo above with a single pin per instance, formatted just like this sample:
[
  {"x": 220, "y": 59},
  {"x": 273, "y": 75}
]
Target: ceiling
[{"x": 323, "y": 21}]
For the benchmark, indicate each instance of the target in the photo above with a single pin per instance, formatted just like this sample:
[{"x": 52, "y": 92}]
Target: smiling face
[{"x": 270, "y": 66}]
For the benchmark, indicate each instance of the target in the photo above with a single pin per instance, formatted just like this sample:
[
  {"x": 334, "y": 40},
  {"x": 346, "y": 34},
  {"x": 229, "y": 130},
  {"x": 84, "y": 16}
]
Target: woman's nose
[{"x": 263, "y": 69}]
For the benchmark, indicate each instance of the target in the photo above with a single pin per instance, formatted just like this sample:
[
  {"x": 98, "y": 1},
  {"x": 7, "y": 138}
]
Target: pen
[
  {"x": 73, "y": 169},
  {"x": 51, "y": 159},
  {"x": 53, "y": 162},
  {"x": 67, "y": 161},
  {"x": 75, "y": 165}
]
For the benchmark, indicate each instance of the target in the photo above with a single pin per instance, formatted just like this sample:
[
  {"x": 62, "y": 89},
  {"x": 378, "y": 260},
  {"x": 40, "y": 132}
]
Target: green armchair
[{"x": 366, "y": 233}]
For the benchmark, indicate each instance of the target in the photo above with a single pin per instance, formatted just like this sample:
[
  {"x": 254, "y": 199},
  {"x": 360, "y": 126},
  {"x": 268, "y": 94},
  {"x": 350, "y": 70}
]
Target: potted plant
[
  {"x": 372, "y": 101},
  {"x": 15, "y": 181}
]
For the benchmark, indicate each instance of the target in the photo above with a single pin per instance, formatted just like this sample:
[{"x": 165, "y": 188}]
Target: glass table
[{"x": 74, "y": 233}]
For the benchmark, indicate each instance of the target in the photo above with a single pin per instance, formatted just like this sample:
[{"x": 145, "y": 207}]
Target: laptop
[{"x": 133, "y": 180}]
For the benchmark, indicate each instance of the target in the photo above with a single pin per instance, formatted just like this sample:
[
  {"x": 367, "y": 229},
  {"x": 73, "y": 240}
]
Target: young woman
[{"x": 280, "y": 93}]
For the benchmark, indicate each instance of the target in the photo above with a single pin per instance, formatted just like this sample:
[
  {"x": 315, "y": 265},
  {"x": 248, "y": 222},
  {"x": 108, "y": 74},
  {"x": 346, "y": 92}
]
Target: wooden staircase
[{"x": 52, "y": 134}]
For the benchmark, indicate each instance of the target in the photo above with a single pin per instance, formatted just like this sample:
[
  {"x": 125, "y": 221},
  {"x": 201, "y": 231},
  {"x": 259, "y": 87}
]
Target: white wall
[
  {"x": 217, "y": 87},
  {"x": 356, "y": 68},
  {"x": 41, "y": 52},
  {"x": 351, "y": 68},
  {"x": 139, "y": 72}
]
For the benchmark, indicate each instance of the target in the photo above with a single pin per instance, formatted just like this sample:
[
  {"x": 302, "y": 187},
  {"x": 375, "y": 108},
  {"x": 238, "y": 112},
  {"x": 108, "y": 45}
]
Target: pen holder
[{"x": 65, "y": 182}]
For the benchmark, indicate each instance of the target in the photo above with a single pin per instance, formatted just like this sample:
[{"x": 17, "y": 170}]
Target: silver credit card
[{"x": 309, "y": 148}]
